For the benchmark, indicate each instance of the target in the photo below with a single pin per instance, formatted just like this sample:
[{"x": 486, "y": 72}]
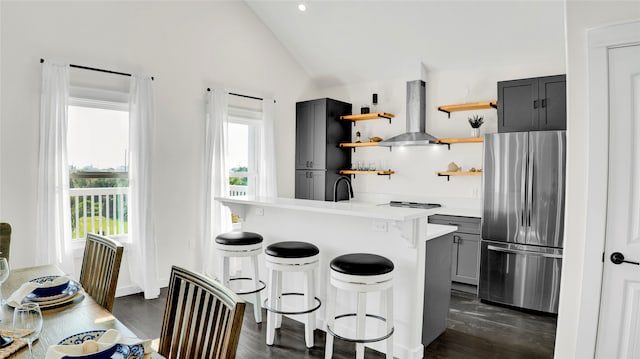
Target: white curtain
[
  {"x": 142, "y": 256},
  {"x": 267, "y": 186},
  {"x": 217, "y": 218},
  {"x": 53, "y": 242}
]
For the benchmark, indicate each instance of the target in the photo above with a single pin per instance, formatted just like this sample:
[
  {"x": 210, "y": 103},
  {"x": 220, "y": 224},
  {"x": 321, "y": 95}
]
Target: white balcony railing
[
  {"x": 237, "y": 190},
  {"x": 103, "y": 210},
  {"x": 99, "y": 210}
]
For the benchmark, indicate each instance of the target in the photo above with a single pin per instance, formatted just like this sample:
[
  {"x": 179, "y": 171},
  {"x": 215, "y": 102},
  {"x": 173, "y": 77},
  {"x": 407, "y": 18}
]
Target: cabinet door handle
[
  {"x": 457, "y": 239},
  {"x": 535, "y": 103},
  {"x": 307, "y": 164},
  {"x": 544, "y": 103},
  {"x": 310, "y": 164}
]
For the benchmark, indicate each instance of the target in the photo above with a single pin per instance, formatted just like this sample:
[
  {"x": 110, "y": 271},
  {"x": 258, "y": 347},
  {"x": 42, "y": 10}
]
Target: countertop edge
[{"x": 355, "y": 212}]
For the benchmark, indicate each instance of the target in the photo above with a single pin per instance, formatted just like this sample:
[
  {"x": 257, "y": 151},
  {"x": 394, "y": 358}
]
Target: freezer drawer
[{"x": 520, "y": 275}]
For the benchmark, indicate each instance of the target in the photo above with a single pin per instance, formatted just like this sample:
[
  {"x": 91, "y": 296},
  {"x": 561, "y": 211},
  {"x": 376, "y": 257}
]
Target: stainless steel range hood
[{"x": 416, "y": 119}]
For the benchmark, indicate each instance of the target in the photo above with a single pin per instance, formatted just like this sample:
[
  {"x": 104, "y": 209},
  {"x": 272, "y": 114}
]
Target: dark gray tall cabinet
[
  {"x": 535, "y": 104},
  {"x": 319, "y": 131}
]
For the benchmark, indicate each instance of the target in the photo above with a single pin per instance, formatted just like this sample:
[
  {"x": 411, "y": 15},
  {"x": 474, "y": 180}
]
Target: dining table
[{"x": 81, "y": 315}]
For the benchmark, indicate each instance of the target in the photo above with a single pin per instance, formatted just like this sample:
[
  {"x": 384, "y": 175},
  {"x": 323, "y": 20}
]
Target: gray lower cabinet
[
  {"x": 465, "y": 254},
  {"x": 310, "y": 185}
]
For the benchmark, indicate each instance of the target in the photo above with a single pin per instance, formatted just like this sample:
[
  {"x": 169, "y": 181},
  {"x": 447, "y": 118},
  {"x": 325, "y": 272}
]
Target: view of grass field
[{"x": 99, "y": 225}]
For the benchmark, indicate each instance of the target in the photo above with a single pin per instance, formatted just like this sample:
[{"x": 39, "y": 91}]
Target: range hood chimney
[{"x": 416, "y": 119}]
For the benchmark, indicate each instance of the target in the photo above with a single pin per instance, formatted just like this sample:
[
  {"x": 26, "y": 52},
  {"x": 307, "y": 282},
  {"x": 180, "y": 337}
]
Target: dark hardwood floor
[{"x": 474, "y": 330}]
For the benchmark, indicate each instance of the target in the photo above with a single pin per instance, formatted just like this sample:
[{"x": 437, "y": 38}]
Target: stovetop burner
[{"x": 414, "y": 204}]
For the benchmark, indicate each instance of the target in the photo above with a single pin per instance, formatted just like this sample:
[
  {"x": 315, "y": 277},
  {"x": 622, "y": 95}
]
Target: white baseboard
[{"x": 133, "y": 289}]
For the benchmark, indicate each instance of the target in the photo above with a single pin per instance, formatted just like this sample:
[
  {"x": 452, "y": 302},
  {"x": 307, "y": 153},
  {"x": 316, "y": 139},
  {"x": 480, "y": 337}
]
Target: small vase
[{"x": 475, "y": 132}]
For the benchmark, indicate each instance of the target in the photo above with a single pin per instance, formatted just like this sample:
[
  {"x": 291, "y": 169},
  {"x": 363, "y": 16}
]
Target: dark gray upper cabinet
[
  {"x": 535, "y": 104},
  {"x": 318, "y": 156}
]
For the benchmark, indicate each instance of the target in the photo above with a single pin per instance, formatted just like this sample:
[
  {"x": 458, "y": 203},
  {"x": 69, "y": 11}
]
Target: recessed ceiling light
[{"x": 302, "y": 7}]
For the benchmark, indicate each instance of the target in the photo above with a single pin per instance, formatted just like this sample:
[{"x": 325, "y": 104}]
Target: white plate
[{"x": 122, "y": 351}]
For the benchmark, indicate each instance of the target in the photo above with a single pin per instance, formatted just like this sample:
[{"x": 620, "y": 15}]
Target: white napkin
[
  {"x": 15, "y": 299},
  {"x": 110, "y": 338}
]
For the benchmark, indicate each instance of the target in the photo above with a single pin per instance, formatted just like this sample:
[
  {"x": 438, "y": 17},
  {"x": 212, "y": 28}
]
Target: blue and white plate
[
  {"x": 48, "y": 289},
  {"x": 72, "y": 292},
  {"x": 121, "y": 351}
]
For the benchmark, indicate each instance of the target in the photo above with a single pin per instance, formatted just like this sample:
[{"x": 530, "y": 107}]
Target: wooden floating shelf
[
  {"x": 359, "y": 144},
  {"x": 458, "y": 173},
  {"x": 374, "y": 172},
  {"x": 461, "y": 140},
  {"x": 468, "y": 107},
  {"x": 368, "y": 116}
]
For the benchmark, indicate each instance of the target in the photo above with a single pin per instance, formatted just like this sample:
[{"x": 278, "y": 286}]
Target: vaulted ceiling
[{"x": 357, "y": 41}]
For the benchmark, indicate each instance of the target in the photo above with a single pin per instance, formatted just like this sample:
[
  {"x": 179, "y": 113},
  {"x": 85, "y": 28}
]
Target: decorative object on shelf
[
  {"x": 358, "y": 137},
  {"x": 453, "y": 167},
  {"x": 364, "y": 109},
  {"x": 374, "y": 102},
  {"x": 473, "y": 169},
  {"x": 475, "y": 122},
  {"x": 375, "y": 139}
]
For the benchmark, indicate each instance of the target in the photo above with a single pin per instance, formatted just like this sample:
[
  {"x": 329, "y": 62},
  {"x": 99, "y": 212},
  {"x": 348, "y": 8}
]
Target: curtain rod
[
  {"x": 241, "y": 95},
  {"x": 98, "y": 70}
]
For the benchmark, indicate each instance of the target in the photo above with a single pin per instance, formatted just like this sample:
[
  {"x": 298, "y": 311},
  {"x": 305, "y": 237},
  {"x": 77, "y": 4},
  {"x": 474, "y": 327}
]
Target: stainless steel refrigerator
[{"x": 523, "y": 219}]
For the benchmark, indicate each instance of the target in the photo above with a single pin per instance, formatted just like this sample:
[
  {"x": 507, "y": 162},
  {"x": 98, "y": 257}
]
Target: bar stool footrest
[
  {"x": 306, "y": 311},
  {"x": 259, "y": 289},
  {"x": 372, "y": 340}
]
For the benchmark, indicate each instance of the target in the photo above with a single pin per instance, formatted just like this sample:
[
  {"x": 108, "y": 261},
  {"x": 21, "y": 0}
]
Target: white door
[{"x": 619, "y": 322}]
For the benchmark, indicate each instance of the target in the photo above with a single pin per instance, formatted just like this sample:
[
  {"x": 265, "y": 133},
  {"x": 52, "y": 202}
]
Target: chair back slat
[
  {"x": 202, "y": 318},
  {"x": 101, "y": 268}
]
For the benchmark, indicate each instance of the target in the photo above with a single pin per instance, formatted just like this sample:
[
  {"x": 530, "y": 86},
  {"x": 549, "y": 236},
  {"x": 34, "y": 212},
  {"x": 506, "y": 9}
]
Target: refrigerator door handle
[
  {"x": 523, "y": 189},
  {"x": 530, "y": 184},
  {"x": 515, "y": 251}
]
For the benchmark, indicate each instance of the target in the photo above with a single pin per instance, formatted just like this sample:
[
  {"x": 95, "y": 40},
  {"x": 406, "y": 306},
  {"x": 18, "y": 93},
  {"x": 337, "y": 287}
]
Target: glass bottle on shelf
[{"x": 374, "y": 103}]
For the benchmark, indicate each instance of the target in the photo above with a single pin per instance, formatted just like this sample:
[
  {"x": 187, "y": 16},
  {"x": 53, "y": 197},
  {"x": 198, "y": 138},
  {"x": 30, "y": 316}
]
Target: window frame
[
  {"x": 105, "y": 100},
  {"x": 253, "y": 120}
]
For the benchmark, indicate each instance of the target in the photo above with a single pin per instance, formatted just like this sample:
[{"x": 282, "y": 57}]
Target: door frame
[{"x": 600, "y": 40}]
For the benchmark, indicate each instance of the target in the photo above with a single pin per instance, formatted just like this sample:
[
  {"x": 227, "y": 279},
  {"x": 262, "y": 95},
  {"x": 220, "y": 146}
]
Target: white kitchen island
[{"x": 400, "y": 234}]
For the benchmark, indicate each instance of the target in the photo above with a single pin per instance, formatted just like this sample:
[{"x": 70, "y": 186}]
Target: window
[
  {"x": 97, "y": 152},
  {"x": 244, "y": 123}
]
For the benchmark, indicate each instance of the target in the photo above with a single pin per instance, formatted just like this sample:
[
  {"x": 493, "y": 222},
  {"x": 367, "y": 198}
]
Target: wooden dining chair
[
  {"x": 5, "y": 240},
  {"x": 202, "y": 318},
  {"x": 100, "y": 269}
]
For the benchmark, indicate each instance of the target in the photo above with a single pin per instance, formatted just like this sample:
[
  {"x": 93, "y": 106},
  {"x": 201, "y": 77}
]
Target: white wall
[
  {"x": 187, "y": 46},
  {"x": 573, "y": 338},
  {"x": 416, "y": 166}
]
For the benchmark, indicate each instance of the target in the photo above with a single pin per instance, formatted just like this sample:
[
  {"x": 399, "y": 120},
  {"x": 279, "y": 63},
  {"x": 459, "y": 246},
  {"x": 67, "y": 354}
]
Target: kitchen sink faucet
[{"x": 337, "y": 182}]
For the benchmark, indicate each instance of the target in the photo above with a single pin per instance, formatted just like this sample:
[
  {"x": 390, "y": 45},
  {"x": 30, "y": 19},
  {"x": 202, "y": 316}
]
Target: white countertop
[
  {"x": 355, "y": 208},
  {"x": 347, "y": 208},
  {"x": 437, "y": 230}
]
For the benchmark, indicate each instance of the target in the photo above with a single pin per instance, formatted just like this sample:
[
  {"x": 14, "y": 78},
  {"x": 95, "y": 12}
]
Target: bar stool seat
[
  {"x": 360, "y": 273},
  {"x": 239, "y": 238},
  {"x": 292, "y": 250},
  {"x": 292, "y": 256},
  {"x": 361, "y": 264},
  {"x": 239, "y": 245}
]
